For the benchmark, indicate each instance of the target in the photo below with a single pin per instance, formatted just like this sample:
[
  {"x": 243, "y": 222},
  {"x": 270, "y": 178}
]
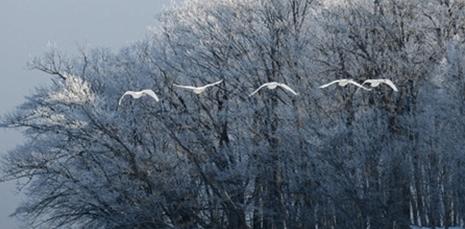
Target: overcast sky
[{"x": 26, "y": 28}]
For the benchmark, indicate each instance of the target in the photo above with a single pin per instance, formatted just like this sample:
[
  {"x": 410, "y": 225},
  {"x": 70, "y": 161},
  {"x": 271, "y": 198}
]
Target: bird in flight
[
  {"x": 376, "y": 82},
  {"x": 138, "y": 94},
  {"x": 274, "y": 85},
  {"x": 345, "y": 82},
  {"x": 198, "y": 90}
]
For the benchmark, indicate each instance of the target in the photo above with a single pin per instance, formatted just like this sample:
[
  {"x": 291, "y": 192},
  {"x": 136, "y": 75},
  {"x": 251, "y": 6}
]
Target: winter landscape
[{"x": 252, "y": 114}]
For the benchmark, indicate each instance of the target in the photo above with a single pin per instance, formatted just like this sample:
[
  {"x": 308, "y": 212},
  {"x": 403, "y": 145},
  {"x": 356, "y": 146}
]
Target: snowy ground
[{"x": 417, "y": 227}]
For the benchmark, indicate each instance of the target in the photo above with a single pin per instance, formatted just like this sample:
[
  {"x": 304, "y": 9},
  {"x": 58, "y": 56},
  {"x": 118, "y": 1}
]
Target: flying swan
[
  {"x": 198, "y": 90},
  {"x": 274, "y": 85},
  {"x": 376, "y": 82},
  {"x": 138, "y": 94},
  {"x": 345, "y": 82}
]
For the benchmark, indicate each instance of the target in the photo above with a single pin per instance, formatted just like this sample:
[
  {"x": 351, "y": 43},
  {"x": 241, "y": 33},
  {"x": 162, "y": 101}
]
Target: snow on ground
[{"x": 417, "y": 227}]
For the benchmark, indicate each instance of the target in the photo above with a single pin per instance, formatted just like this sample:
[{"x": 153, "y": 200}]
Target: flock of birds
[{"x": 373, "y": 83}]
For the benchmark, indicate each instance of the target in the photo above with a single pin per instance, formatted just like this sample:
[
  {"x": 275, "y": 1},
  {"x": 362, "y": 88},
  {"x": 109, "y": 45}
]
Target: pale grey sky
[{"x": 28, "y": 25}]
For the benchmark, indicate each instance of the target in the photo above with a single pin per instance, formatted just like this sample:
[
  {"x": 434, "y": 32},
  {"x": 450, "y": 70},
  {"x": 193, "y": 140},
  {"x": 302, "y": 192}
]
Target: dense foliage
[{"x": 332, "y": 158}]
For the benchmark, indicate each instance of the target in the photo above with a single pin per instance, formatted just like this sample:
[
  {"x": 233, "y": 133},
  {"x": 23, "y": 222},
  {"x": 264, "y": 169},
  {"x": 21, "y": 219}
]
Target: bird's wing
[
  {"x": 359, "y": 85},
  {"x": 185, "y": 87},
  {"x": 287, "y": 88},
  {"x": 391, "y": 84},
  {"x": 367, "y": 81},
  {"x": 151, "y": 94},
  {"x": 122, "y": 97},
  {"x": 258, "y": 89},
  {"x": 329, "y": 84},
  {"x": 213, "y": 84}
]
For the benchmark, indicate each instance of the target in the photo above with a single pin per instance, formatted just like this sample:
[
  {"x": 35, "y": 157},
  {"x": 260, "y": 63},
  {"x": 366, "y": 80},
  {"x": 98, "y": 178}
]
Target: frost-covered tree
[{"x": 332, "y": 158}]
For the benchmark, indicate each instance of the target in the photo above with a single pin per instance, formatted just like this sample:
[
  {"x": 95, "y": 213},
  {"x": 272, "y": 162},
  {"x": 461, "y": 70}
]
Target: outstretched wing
[
  {"x": 151, "y": 94},
  {"x": 367, "y": 81},
  {"x": 122, "y": 97},
  {"x": 258, "y": 89},
  {"x": 359, "y": 85},
  {"x": 185, "y": 87},
  {"x": 391, "y": 84},
  {"x": 329, "y": 84},
  {"x": 213, "y": 84},
  {"x": 284, "y": 86}
]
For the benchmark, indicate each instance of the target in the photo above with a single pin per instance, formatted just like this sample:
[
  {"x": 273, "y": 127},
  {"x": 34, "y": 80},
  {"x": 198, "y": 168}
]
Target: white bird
[
  {"x": 138, "y": 94},
  {"x": 272, "y": 86},
  {"x": 198, "y": 90},
  {"x": 376, "y": 82},
  {"x": 345, "y": 82}
]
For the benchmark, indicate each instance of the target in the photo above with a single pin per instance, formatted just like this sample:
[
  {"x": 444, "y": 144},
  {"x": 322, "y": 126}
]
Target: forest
[{"x": 336, "y": 158}]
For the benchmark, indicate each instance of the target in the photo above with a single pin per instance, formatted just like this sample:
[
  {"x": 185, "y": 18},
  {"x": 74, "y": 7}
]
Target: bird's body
[
  {"x": 345, "y": 82},
  {"x": 274, "y": 85},
  {"x": 376, "y": 82},
  {"x": 139, "y": 94},
  {"x": 198, "y": 90}
]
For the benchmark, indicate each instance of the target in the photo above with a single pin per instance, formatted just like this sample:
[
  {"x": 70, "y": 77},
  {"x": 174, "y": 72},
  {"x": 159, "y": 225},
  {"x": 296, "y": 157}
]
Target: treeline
[{"x": 332, "y": 158}]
